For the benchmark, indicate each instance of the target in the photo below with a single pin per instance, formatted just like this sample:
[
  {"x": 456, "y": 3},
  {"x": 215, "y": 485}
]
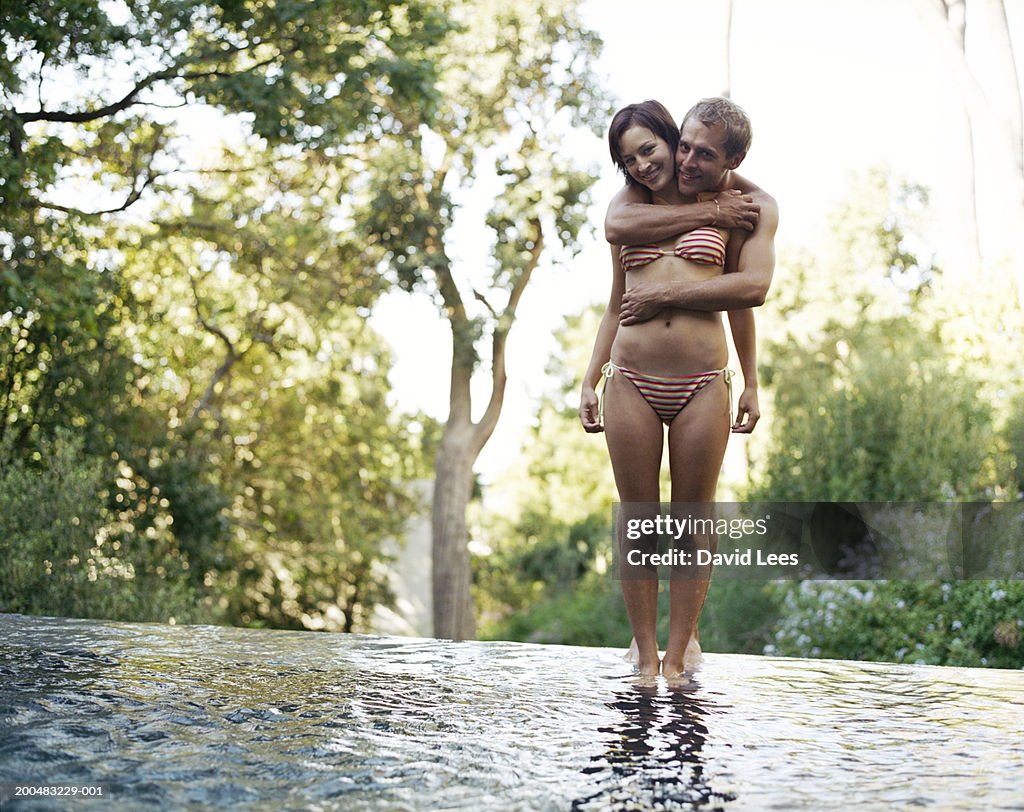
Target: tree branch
[
  {"x": 481, "y": 298},
  {"x": 485, "y": 426},
  {"x": 229, "y": 361},
  {"x": 133, "y": 196},
  {"x": 107, "y": 110},
  {"x": 131, "y": 98}
]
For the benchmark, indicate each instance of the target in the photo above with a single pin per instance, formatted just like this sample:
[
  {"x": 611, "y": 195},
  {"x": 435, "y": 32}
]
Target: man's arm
[
  {"x": 743, "y": 285},
  {"x": 631, "y": 220},
  {"x": 744, "y": 338}
]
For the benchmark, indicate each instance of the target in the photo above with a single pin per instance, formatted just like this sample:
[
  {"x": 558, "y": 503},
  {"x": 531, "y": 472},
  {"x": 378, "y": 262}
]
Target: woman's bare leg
[
  {"x": 697, "y": 439},
  {"x": 635, "y": 437}
]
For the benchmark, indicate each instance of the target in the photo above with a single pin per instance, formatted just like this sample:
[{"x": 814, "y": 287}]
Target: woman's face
[{"x": 647, "y": 158}]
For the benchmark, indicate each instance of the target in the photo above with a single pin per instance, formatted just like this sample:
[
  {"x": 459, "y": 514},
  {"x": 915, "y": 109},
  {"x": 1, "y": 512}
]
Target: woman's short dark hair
[{"x": 649, "y": 114}]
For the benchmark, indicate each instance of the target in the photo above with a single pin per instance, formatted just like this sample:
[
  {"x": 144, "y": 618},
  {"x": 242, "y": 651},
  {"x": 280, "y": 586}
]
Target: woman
[{"x": 669, "y": 370}]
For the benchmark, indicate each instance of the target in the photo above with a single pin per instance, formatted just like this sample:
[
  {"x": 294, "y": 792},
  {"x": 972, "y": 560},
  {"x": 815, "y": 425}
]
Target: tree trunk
[
  {"x": 993, "y": 104},
  {"x": 727, "y": 51},
  {"x": 969, "y": 195},
  {"x": 956, "y": 18},
  {"x": 462, "y": 442},
  {"x": 453, "y": 487}
]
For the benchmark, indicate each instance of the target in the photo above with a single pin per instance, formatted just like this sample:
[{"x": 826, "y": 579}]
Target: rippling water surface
[{"x": 211, "y": 717}]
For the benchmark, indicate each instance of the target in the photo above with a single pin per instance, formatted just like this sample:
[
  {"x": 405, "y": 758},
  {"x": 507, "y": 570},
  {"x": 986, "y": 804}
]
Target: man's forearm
[
  {"x": 640, "y": 223},
  {"x": 733, "y": 291}
]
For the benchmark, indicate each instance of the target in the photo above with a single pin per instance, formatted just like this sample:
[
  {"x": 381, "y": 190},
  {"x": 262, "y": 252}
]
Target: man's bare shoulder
[
  {"x": 769, "y": 206},
  {"x": 742, "y": 184},
  {"x": 760, "y": 196}
]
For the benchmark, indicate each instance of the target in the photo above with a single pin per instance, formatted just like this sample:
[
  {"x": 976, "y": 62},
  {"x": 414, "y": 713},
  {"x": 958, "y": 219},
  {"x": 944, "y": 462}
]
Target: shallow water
[{"x": 212, "y": 717}]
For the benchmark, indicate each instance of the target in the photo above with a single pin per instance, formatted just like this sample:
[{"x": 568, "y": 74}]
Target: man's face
[{"x": 701, "y": 163}]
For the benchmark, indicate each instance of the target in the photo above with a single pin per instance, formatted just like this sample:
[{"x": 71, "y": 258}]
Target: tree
[
  {"x": 257, "y": 349},
  {"x": 318, "y": 75},
  {"x": 516, "y": 78},
  {"x": 869, "y": 337},
  {"x": 87, "y": 98}
]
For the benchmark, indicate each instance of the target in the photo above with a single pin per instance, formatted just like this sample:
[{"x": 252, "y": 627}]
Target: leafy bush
[
  {"x": 592, "y": 614},
  {"x": 739, "y": 617},
  {"x": 859, "y": 417},
  {"x": 964, "y": 623},
  {"x": 66, "y": 554}
]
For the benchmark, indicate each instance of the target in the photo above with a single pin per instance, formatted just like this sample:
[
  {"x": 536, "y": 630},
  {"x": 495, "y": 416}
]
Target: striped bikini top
[{"x": 705, "y": 245}]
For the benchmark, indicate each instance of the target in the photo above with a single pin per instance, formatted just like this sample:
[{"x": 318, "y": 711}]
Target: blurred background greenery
[{"x": 194, "y": 415}]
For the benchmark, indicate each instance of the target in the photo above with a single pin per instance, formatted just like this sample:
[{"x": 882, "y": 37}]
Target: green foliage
[
  {"x": 541, "y": 557},
  {"x": 66, "y": 553},
  {"x": 156, "y": 345},
  {"x": 589, "y": 614},
  {"x": 739, "y": 617},
  {"x": 257, "y": 349},
  {"x": 965, "y": 623},
  {"x": 888, "y": 384},
  {"x": 1014, "y": 434},
  {"x": 875, "y": 412},
  {"x": 868, "y": 402},
  {"x": 516, "y": 79}
]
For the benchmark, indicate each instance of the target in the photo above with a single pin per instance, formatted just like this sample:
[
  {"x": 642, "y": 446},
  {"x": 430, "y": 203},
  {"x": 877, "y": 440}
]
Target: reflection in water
[
  {"x": 210, "y": 718},
  {"x": 653, "y": 752}
]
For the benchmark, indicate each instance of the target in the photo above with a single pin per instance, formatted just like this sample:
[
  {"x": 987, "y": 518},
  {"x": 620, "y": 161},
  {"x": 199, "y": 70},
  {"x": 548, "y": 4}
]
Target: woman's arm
[{"x": 589, "y": 412}]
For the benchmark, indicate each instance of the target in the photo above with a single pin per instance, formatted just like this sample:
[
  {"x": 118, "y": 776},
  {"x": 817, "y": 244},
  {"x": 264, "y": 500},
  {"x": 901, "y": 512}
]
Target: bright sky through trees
[{"x": 833, "y": 89}]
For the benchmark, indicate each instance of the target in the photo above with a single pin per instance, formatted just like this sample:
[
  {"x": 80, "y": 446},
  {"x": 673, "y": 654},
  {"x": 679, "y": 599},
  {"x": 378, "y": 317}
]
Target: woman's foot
[
  {"x": 674, "y": 666},
  {"x": 648, "y": 668},
  {"x": 680, "y": 680},
  {"x": 644, "y": 666}
]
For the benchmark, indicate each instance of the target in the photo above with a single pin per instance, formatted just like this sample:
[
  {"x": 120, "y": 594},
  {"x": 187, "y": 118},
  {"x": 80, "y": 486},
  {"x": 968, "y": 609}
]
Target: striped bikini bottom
[{"x": 667, "y": 396}]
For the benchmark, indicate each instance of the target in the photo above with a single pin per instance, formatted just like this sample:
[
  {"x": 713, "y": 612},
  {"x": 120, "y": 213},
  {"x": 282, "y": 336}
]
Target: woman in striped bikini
[{"x": 667, "y": 371}]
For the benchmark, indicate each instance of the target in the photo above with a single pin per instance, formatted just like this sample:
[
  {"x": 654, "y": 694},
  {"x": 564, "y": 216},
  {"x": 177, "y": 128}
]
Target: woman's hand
[
  {"x": 747, "y": 411},
  {"x": 590, "y": 410}
]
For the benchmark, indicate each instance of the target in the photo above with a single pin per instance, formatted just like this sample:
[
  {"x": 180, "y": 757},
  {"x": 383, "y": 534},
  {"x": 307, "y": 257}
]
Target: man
[{"x": 714, "y": 139}]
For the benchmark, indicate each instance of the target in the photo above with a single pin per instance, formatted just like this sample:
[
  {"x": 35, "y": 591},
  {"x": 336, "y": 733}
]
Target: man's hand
[
  {"x": 590, "y": 411},
  {"x": 737, "y": 210},
  {"x": 748, "y": 412},
  {"x": 641, "y": 303}
]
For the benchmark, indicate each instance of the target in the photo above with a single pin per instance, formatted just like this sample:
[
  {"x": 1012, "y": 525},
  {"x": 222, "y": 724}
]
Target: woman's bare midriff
[{"x": 675, "y": 342}]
